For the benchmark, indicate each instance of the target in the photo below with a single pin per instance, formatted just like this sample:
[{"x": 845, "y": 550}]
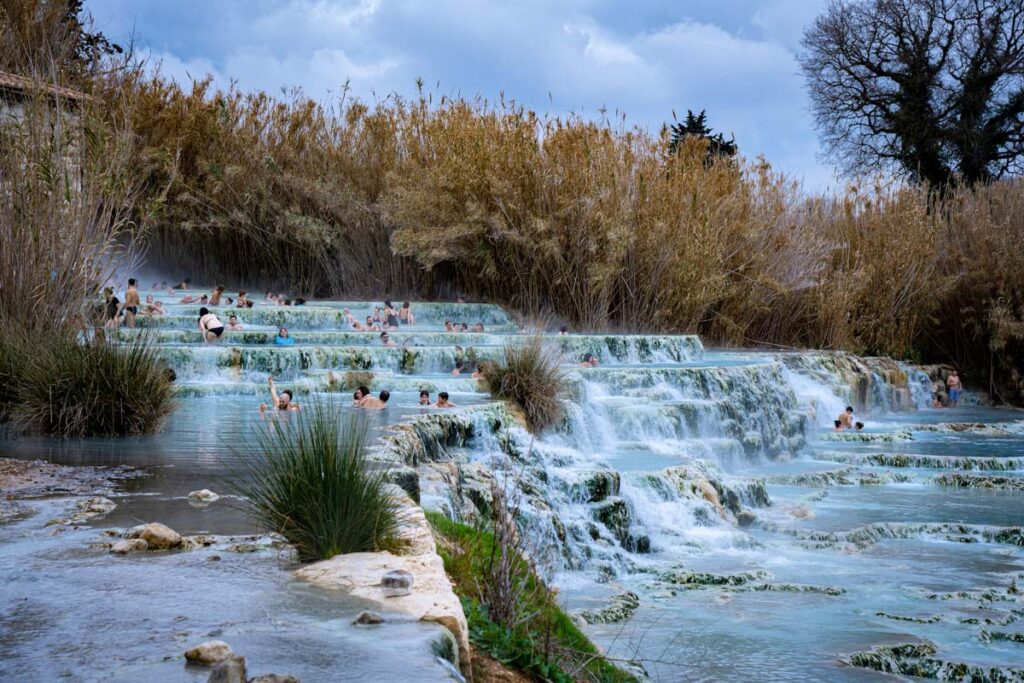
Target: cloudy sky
[{"x": 644, "y": 58}]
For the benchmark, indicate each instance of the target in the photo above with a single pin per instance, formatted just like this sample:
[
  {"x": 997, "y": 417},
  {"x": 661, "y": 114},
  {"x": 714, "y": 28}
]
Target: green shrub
[
  {"x": 307, "y": 478},
  {"x": 529, "y": 374},
  {"x": 65, "y": 386}
]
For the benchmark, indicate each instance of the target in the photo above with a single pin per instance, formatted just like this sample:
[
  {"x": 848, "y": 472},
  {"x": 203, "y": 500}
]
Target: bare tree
[{"x": 932, "y": 88}]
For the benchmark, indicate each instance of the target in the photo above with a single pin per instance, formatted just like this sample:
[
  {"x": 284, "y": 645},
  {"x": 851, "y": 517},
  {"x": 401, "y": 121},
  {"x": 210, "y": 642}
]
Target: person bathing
[{"x": 210, "y": 325}]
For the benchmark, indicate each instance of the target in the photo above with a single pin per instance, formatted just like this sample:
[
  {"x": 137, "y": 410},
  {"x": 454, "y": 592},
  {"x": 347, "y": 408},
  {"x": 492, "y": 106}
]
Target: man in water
[
  {"x": 131, "y": 303},
  {"x": 845, "y": 419},
  {"x": 443, "y": 402},
  {"x": 233, "y": 324},
  {"x": 458, "y": 368},
  {"x": 282, "y": 401},
  {"x": 385, "y": 339},
  {"x": 955, "y": 388},
  {"x": 590, "y": 361},
  {"x": 371, "y": 403}
]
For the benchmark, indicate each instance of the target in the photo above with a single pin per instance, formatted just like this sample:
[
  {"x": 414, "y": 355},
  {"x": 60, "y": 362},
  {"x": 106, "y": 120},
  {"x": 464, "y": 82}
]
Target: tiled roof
[{"x": 20, "y": 84}]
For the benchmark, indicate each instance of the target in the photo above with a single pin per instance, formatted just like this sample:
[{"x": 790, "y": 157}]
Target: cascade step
[
  {"x": 429, "y": 313},
  {"x": 270, "y": 319}
]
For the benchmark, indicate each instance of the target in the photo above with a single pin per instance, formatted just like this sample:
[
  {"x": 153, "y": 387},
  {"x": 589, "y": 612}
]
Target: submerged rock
[
  {"x": 700, "y": 579},
  {"x": 368, "y": 618},
  {"x": 274, "y": 678},
  {"x": 98, "y": 506},
  {"x": 979, "y": 481},
  {"x": 746, "y": 519},
  {"x": 203, "y": 496},
  {"x": 917, "y": 659},
  {"x": 129, "y": 545},
  {"x": 230, "y": 670},
  {"x": 620, "y": 608},
  {"x": 210, "y": 652}
]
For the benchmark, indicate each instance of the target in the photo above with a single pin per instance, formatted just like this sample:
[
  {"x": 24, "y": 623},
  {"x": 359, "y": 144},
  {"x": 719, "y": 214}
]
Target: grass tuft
[
  {"x": 58, "y": 384},
  {"x": 529, "y": 374},
  {"x": 307, "y": 478}
]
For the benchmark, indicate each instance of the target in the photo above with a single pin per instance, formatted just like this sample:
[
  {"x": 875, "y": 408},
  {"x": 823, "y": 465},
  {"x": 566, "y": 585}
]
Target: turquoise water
[{"x": 864, "y": 542}]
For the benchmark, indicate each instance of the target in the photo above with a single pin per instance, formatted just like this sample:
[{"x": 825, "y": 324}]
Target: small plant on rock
[
  {"x": 529, "y": 374},
  {"x": 308, "y": 478}
]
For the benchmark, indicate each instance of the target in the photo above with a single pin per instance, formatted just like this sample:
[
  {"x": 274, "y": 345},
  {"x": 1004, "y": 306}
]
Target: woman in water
[
  {"x": 210, "y": 325},
  {"x": 405, "y": 314},
  {"x": 282, "y": 338},
  {"x": 391, "y": 315}
]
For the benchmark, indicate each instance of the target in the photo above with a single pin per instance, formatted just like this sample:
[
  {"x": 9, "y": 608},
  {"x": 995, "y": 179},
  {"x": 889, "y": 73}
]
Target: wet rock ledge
[{"x": 430, "y": 597}]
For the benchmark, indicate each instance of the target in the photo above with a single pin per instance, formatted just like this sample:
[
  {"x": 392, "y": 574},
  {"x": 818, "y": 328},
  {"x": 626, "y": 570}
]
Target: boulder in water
[
  {"x": 98, "y": 506},
  {"x": 600, "y": 485},
  {"x": 368, "y": 618},
  {"x": 210, "y": 652},
  {"x": 230, "y": 670},
  {"x": 746, "y": 519},
  {"x": 203, "y": 496},
  {"x": 130, "y": 545},
  {"x": 397, "y": 583},
  {"x": 275, "y": 678},
  {"x": 159, "y": 536},
  {"x": 802, "y": 512}
]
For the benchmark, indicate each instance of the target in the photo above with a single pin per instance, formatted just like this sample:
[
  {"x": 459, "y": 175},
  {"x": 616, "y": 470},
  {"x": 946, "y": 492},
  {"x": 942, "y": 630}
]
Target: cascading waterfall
[{"x": 693, "y": 501}]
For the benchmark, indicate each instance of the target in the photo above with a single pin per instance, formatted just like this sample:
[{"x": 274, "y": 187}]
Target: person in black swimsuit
[{"x": 391, "y": 314}]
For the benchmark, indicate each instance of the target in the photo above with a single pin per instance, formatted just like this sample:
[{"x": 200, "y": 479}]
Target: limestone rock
[
  {"x": 130, "y": 545},
  {"x": 367, "y": 618},
  {"x": 210, "y": 652},
  {"x": 802, "y": 512},
  {"x": 397, "y": 583},
  {"x": 98, "y": 506},
  {"x": 135, "y": 531},
  {"x": 202, "y": 497},
  {"x": 159, "y": 536},
  {"x": 434, "y": 600},
  {"x": 746, "y": 519},
  {"x": 231, "y": 670},
  {"x": 275, "y": 678}
]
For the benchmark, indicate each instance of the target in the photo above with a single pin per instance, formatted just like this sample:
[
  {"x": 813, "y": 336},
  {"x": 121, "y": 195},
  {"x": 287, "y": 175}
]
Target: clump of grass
[
  {"x": 308, "y": 479},
  {"x": 59, "y": 384},
  {"x": 529, "y": 374}
]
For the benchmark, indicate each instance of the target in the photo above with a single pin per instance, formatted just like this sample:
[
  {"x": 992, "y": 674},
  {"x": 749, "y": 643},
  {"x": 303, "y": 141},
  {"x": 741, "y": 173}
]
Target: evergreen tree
[{"x": 696, "y": 125}]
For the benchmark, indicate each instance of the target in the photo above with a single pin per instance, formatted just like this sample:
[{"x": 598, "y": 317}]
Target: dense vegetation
[
  {"x": 70, "y": 386},
  {"x": 307, "y": 478}
]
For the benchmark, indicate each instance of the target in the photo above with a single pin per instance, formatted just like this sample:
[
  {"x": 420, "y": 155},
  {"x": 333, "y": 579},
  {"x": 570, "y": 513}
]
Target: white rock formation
[{"x": 431, "y": 598}]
